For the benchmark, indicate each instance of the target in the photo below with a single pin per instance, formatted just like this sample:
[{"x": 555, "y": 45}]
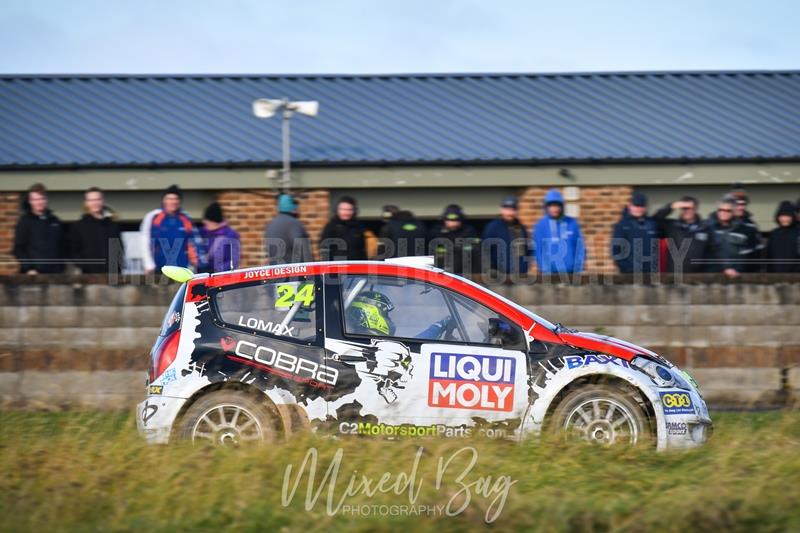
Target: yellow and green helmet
[{"x": 370, "y": 311}]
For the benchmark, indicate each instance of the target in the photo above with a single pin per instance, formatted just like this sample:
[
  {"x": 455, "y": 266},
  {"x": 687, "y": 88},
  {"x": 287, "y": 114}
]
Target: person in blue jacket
[
  {"x": 505, "y": 241},
  {"x": 634, "y": 244},
  {"x": 557, "y": 240},
  {"x": 169, "y": 236}
]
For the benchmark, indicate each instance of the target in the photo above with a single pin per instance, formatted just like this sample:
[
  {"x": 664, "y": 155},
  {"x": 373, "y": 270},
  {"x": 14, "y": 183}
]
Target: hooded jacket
[
  {"x": 783, "y": 243},
  {"x": 689, "y": 244},
  {"x": 634, "y": 244},
  {"x": 458, "y": 250},
  {"x": 287, "y": 240},
  {"x": 223, "y": 248},
  {"x": 39, "y": 242},
  {"x": 96, "y": 244},
  {"x": 342, "y": 240},
  {"x": 408, "y": 235},
  {"x": 557, "y": 242}
]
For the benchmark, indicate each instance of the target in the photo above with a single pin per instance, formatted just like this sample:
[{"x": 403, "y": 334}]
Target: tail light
[{"x": 164, "y": 354}]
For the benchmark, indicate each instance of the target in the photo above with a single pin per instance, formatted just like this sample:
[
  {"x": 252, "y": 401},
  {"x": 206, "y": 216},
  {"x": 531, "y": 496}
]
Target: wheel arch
[
  {"x": 287, "y": 418},
  {"x": 561, "y": 383}
]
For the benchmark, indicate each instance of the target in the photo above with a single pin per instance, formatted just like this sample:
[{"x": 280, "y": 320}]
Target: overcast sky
[{"x": 376, "y": 36}]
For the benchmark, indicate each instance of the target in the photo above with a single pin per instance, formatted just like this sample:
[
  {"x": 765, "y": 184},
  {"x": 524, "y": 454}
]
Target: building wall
[{"x": 9, "y": 212}]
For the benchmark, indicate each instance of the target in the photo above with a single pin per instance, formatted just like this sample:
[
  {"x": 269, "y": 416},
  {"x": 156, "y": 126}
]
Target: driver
[{"x": 369, "y": 314}]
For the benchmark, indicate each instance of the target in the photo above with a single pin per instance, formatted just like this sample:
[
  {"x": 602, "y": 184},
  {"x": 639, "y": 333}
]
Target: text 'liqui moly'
[{"x": 461, "y": 381}]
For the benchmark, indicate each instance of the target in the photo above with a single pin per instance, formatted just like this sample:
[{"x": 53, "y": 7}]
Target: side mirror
[{"x": 501, "y": 330}]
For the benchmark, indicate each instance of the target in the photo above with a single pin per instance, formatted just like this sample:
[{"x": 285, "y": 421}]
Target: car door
[{"x": 416, "y": 358}]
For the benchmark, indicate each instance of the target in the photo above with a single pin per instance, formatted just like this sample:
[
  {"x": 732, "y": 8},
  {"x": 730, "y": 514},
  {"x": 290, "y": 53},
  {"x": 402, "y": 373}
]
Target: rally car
[{"x": 396, "y": 348}]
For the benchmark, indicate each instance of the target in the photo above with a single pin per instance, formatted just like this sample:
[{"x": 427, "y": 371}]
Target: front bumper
[
  {"x": 683, "y": 426},
  {"x": 156, "y": 416}
]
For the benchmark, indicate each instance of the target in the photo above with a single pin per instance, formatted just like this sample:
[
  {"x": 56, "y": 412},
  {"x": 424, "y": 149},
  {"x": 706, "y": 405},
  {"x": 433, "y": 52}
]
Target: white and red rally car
[{"x": 396, "y": 348}]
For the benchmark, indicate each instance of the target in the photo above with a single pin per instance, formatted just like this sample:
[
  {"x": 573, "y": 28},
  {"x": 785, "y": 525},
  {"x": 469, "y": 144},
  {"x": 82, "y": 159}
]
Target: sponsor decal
[
  {"x": 387, "y": 363},
  {"x": 280, "y": 363},
  {"x": 168, "y": 377},
  {"x": 677, "y": 403},
  {"x": 579, "y": 361},
  {"x": 276, "y": 328},
  {"x": 156, "y": 389},
  {"x": 410, "y": 430},
  {"x": 465, "y": 381},
  {"x": 148, "y": 411},
  {"x": 274, "y": 271},
  {"x": 677, "y": 428}
]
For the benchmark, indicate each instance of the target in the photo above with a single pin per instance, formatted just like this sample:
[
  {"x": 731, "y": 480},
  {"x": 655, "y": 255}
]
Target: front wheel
[
  {"x": 227, "y": 418},
  {"x": 601, "y": 414}
]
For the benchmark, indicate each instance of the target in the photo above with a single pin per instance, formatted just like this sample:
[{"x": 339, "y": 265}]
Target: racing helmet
[{"x": 370, "y": 311}]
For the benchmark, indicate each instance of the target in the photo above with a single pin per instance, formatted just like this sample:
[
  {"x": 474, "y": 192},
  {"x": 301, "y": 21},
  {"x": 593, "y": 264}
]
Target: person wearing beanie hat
[
  {"x": 783, "y": 243},
  {"x": 343, "y": 237},
  {"x": 221, "y": 241},
  {"x": 505, "y": 241},
  {"x": 455, "y": 243},
  {"x": 168, "y": 235},
  {"x": 634, "y": 242},
  {"x": 286, "y": 239},
  {"x": 557, "y": 240}
]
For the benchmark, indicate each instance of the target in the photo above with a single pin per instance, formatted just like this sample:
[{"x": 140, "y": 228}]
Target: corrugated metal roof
[{"x": 401, "y": 119}]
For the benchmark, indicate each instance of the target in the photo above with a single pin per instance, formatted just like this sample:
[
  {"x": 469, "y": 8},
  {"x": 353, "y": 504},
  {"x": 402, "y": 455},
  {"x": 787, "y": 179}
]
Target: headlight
[{"x": 660, "y": 374}]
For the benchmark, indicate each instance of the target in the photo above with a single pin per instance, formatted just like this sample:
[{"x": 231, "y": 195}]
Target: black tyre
[
  {"x": 601, "y": 414},
  {"x": 227, "y": 418}
]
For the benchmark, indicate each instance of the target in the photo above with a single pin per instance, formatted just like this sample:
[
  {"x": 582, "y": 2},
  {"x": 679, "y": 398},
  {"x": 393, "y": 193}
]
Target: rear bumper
[{"x": 156, "y": 416}]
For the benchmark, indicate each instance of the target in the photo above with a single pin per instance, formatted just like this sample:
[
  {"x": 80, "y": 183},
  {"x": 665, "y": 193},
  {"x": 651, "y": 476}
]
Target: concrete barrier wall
[{"x": 73, "y": 342}]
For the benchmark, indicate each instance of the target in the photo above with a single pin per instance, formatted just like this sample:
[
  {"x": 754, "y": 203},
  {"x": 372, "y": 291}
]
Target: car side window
[
  {"x": 474, "y": 319},
  {"x": 396, "y": 307},
  {"x": 285, "y": 309}
]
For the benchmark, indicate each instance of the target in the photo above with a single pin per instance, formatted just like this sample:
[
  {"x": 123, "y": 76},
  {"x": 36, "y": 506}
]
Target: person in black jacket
[
  {"x": 39, "y": 238},
  {"x": 95, "y": 240},
  {"x": 690, "y": 241},
  {"x": 732, "y": 237},
  {"x": 754, "y": 249},
  {"x": 783, "y": 243},
  {"x": 455, "y": 243},
  {"x": 342, "y": 238},
  {"x": 403, "y": 235},
  {"x": 634, "y": 244}
]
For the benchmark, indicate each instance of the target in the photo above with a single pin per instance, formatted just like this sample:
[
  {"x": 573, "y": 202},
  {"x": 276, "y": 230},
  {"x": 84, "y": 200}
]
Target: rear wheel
[
  {"x": 227, "y": 418},
  {"x": 601, "y": 414}
]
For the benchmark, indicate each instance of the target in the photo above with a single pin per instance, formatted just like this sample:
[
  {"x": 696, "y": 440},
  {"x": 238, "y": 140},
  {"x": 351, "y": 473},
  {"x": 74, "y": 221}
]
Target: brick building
[{"x": 419, "y": 141}]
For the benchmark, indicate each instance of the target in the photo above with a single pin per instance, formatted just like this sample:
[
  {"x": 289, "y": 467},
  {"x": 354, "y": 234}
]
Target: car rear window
[
  {"x": 284, "y": 309},
  {"x": 172, "y": 320}
]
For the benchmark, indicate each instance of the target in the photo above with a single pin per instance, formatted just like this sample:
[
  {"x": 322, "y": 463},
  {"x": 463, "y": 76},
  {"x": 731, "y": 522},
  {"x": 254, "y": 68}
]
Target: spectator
[
  {"x": 39, "y": 238},
  {"x": 96, "y": 239},
  {"x": 286, "y": 238},
  {"x": 221, "y": 241},
  {"x": 385, "y": 245},
  {"x": 407, "y": 234},
  {"x": 343, "y": 236},
  {"x": 754, "y": 249},
  {"x": 456, "y": 243},
  {"x": 731, "y": 237},
  {"x": 557, "y": 240},
  {"x": 169, "y": 236},
  {"x": 783, "y": 243},
  {"x": 690, "y": 240},
  {"x": 505, "y": 241},
  {"x": 634, "y": 244}
]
